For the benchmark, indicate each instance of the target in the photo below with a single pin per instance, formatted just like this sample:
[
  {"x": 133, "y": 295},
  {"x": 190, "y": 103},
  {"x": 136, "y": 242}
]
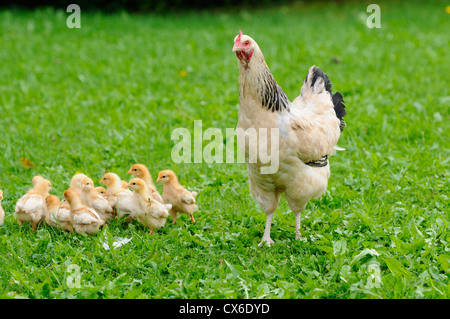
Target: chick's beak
[
  {"x": 129, "y": 172},
  {"x": 158, "y": 180}
]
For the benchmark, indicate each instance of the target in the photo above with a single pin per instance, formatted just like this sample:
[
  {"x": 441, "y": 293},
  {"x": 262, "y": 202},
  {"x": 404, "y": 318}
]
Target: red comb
[{"x": 238, "y": 40}]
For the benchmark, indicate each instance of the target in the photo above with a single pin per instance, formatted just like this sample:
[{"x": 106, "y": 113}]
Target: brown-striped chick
[
  {"x": 149, "y": 212},
  {"x": 141, "y": 171},
  {"x": 57, "y": 214},
  {"x": 182, "y": 200},
  {"x": 84, "y": 219},
  {"x": 121, "y": 199},
  {"x": 91, "y": 198},
  {"x": 31, "y": 207}
]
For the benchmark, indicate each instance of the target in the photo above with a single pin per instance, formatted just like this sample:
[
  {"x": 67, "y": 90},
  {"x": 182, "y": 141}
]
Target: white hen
[{"x": 308, "y": 130}]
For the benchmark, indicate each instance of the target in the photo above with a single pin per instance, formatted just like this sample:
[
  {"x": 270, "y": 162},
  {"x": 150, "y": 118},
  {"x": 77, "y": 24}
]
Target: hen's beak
[{"x": 235, "y": 48}]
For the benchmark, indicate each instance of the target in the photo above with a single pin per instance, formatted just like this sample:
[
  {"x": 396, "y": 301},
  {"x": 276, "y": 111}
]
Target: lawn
[{"x": 110, "y": 94}]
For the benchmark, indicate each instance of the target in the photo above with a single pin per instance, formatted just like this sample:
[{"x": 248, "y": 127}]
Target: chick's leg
[{"x": 174, "y": 215}]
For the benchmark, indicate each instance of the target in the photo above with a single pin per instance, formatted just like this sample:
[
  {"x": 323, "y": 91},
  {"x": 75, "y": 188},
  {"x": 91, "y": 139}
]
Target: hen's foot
[{"x": 268, "y": 241}]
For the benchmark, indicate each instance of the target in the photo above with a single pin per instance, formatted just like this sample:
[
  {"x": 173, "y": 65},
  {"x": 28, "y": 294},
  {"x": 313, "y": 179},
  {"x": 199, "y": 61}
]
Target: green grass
[{"x": 110, "y": 94}]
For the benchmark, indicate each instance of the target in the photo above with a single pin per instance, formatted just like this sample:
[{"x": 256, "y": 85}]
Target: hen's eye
[{"x": 246, "y": 42}]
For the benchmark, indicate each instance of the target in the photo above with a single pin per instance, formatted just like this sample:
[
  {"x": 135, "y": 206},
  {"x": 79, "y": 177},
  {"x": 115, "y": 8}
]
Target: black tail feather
[
  {"x": 339, "y": 108},
  {"x": 314, "y": 74}
]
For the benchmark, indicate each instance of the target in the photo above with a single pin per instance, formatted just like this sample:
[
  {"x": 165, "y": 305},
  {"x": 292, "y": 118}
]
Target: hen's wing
[{"x": 314, "y": 120}]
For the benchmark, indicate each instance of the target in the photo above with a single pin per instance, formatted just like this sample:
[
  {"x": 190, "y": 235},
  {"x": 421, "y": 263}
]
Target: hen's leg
[
  {"x": 297, "y": 206},
  {"x": 298, "y": 235},
  {"x": 268, "y": 201},
  {"x": 266, "y": 237}
]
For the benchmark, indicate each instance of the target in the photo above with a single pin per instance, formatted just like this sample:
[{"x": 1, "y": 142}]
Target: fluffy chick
[
  {"x": 182, "y": 200},
  {"x": 84, "y": 219},
  {"x": 121, "y": 199},
  {"x": 57, "y": 214},
  {"x": 75, "y": 183},
  {"x": 91, "y": 198},
  {"x": 150, "y": 213},
  {"x": 31, "y": 207},
  {"x": 2, "y": 212},
  {"x": 141, "y": 171},
  {"x": 101, "y": 191}
]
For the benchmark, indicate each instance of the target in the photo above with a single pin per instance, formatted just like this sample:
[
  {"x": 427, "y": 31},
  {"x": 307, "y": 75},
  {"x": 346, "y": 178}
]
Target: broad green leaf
[{"x": 396, "y": 267}]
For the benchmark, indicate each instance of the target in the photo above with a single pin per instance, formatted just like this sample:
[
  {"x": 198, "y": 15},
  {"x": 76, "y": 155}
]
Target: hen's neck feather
[{"x": 258, "y": 82}]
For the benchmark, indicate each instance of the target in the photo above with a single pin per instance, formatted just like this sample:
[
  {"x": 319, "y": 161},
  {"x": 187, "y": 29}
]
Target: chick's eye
[
  {"x": 135, "y": 170},
  {"x": 134, "y": 183}
]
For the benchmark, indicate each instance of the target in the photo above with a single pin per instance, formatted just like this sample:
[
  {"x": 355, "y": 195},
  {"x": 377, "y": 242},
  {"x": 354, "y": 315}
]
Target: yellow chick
[
  {"x": 141, "y": 171},
  {"x": 75, "y": 183},
  {"x": 101, "y": 191},
  {"x": 182, "y": 200},
  {"x": 57, "y": 214},
  {"x": 91, "y": 198},
  {"x": 121, "y": 199},
  {"x": 84, "y": 219},
  {"x": 149, "y": 212},
  {"x": 2, "y": 212},
  {"x": 31, "y": 207}
]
